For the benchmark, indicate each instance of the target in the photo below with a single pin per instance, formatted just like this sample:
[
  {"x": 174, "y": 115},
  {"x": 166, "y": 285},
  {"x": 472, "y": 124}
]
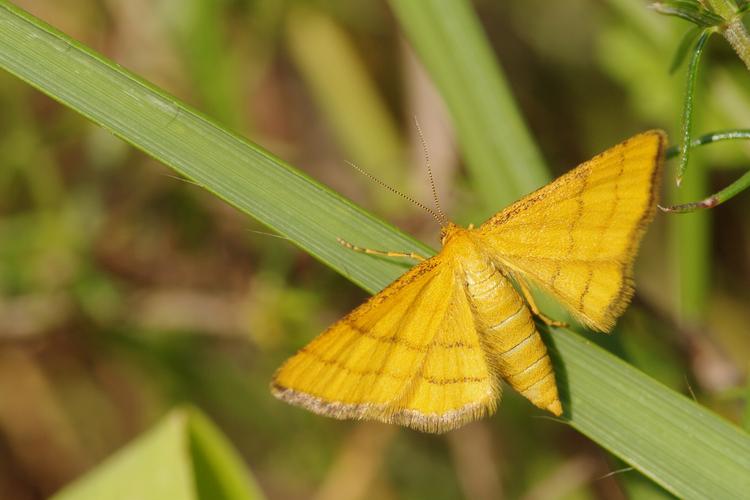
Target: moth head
[{"x": 448, "y": 231}]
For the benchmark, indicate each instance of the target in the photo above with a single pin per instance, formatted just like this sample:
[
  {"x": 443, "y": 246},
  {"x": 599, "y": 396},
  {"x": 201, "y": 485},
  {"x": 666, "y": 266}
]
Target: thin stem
[
  {"x": 710, "y": 138},
  {"x": 725, "y": 194}
]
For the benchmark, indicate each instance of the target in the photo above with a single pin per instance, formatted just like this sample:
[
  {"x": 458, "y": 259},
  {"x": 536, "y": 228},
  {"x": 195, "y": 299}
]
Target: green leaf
[
  {"x": 687, "y": 110},
  {"x": 683, "y": 447},
  {"x": 690, "y": 11},
  {"x": 183, "y": 457}
]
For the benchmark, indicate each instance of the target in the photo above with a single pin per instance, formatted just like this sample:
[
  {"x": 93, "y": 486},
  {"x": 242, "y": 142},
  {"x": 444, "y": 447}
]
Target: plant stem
[
  {"x": 734, "y": 30},
  {"x": 736, "y": 34},
  {"x": 725, "y": 194}
]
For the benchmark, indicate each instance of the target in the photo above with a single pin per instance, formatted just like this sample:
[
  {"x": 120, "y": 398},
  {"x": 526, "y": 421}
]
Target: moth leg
[
  {"x": 409, "y": 255},
  {"x": 535, "y": 310}
]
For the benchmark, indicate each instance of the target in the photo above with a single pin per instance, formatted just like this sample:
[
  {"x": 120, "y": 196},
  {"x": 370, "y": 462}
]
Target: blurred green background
[{"x": 125, "y": 290}]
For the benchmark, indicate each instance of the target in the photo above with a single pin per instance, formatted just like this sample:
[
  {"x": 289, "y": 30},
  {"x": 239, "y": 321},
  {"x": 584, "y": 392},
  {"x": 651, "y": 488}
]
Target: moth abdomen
[
  {"x": 528, "y": 368},
  {"x": 510, "y": 337}
]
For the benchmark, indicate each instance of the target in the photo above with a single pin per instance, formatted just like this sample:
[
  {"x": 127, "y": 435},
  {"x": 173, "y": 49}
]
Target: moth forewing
[{"x": 576, "y": 238}]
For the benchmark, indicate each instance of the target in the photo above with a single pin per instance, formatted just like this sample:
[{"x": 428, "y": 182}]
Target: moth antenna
[
  {"x": 436, "y": 199},
  {"x": 394, "y": 190}
]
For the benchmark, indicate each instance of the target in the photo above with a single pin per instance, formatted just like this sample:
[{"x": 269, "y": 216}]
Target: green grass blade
[
  {"x": 218, "y": 469},
  {"x": 501, "y": 155},
  {"x": 241, "y": 173},
  {"x": 686, "y": 449},
  {"x": 679, "y": 444},
  {"x": 183, "y": 456}
]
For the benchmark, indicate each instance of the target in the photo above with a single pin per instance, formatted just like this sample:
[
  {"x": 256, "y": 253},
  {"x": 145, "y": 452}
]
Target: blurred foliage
[
  {"x": 125, "y": 291},
  {"x": 183, "y": 456}
]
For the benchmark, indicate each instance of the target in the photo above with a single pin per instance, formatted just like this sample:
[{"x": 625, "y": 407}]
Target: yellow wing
[
  {"x": 577, "y": 236},
  {"x": 410, "y": 355}
]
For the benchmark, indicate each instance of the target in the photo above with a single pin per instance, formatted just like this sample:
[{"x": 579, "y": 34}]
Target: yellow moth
[{"x": 430, "y": 350}]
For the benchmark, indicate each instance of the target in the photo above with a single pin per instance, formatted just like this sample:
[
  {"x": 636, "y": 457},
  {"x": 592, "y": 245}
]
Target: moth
[{"x": 430, "y": 350}]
